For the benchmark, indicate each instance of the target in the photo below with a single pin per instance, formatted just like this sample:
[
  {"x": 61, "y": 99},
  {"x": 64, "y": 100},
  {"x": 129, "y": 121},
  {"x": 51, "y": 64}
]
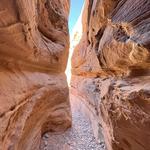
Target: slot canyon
[{"x": 107, "y": 104}]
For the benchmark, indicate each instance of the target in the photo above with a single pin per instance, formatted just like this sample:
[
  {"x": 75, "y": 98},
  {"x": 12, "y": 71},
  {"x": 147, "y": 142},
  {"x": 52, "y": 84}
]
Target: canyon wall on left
[{"x": 34, "y": 96}]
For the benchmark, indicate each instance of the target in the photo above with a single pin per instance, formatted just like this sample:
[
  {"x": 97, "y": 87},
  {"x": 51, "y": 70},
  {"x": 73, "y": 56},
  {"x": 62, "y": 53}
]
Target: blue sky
[{"x": 75, "y": 10}]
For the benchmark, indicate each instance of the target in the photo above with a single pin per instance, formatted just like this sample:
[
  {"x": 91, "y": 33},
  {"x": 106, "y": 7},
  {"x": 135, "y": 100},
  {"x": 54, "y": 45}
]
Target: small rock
[
  {"x": 46, "y": 135},
  {"x": 45, "y": 143},
  {"x": 101, "y": 143}
]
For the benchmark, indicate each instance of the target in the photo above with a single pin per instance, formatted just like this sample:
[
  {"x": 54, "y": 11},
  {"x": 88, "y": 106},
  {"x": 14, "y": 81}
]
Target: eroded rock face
[
  {"x": 34, "y": 95},
  {"x": 111, "y": 70}
]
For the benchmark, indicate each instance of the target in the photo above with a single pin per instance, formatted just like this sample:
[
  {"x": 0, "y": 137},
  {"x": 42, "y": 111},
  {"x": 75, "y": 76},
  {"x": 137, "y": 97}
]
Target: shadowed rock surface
[
  {"x": 111, "y": 71},
  {"x": 34, "y": 95}
]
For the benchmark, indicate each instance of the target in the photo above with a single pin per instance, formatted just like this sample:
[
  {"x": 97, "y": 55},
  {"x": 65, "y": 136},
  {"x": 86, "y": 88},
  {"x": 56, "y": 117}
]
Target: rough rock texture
[
  {"x": 111, "y": 71},
  {"x": 34, "y": 93}
]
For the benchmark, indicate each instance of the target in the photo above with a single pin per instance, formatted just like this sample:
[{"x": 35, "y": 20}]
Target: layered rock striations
[
  {"x": 111, "y": 71},
  {"x": 34, "y": 96}
]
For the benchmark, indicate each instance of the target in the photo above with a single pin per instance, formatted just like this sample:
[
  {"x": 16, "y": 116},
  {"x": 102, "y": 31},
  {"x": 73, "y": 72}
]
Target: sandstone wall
[
  {"x": 34, "y": 95},
  {"x": 111, "y": 71}
]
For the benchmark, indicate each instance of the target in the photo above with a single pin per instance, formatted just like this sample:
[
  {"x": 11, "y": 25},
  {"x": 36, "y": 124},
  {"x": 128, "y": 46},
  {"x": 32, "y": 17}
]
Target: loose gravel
[{"x": 79, "y": 137}]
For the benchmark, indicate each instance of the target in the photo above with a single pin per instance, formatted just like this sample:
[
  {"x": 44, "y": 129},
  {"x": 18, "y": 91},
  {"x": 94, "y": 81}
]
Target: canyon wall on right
[{"x": 111, "y": 71}]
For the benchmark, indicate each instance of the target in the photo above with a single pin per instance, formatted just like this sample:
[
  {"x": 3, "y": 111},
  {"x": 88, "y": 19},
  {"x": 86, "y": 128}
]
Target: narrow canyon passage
[
  {"x": 78, "y": 137},
  {"x": 108, "y": 70},
  {"x": 81, "y": 134}
]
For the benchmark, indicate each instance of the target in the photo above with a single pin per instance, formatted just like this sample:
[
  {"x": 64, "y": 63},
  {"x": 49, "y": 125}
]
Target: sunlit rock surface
[
  {"x": 111, "y": 71},
  {"x": 34, "y": 45},
  {"x": 75, "y": 36}
]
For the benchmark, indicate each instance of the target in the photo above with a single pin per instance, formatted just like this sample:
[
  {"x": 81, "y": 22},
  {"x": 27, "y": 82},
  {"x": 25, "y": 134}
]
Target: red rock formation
[
  {"x": 111, "y": 71},
  {"x": 34, "y": 46}
]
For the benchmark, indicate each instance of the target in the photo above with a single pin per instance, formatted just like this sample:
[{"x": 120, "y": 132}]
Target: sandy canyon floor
[{"x": 79, "y": 137}]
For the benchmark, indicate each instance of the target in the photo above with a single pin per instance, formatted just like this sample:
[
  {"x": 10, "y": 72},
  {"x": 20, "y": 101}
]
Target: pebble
[
  {"x": 46, "y": 135},
  {"x": 45, "y": 143}
]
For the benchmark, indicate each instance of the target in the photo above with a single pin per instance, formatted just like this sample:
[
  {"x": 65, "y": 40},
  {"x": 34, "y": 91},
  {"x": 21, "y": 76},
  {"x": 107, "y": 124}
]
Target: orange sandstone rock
[
  {"x": 111, "y": 70},
  {"x": 34, "y": 95}
]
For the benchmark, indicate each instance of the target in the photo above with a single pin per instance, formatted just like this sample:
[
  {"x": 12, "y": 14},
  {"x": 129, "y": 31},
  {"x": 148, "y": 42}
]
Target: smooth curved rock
[{"x": 34, "y": 95}]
